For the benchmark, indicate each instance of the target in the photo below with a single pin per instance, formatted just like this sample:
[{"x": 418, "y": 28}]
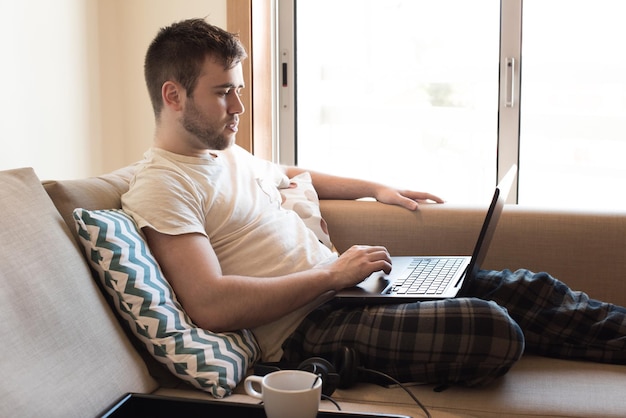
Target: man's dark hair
[{"x": 178, "y": 52}]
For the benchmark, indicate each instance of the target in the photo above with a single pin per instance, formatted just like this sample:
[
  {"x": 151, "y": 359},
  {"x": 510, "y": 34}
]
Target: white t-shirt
[{"x": 232, "y": 198}]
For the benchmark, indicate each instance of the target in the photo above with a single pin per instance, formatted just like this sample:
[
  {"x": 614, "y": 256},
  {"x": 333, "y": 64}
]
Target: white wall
[
  {"x": 74, "y": 101},
  {"x": 44, "y": 86}
]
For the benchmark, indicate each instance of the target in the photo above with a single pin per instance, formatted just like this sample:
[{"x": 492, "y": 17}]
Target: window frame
[{"x": 508, "y": 113}]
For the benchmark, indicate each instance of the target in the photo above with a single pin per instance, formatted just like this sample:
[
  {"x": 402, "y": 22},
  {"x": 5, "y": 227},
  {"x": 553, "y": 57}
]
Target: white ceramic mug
[{"x": 287, "y": 393}]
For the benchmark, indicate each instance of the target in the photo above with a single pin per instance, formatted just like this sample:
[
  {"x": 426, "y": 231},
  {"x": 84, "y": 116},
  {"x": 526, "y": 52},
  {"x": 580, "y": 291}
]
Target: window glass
[
  {"x": 573, "y": 112},
  {"x": 404, "y": 92}
]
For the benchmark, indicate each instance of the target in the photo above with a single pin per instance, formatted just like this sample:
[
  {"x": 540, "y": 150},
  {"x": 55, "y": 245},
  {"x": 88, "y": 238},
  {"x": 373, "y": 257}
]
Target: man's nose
[{"x": 235, "y": 105}]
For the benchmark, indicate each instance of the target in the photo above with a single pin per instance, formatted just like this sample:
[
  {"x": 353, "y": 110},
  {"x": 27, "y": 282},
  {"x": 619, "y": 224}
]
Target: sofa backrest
[
  {"x": 63, "y": 351},
  {"x": 583, "y": 248},
  {"x": 102, "y": 192}
]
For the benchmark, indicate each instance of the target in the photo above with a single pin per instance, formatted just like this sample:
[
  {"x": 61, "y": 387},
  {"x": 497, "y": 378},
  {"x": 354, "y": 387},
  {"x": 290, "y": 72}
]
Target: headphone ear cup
[
  {"x": 346, "y": 362},
  {"x": 326, "y": 371}
]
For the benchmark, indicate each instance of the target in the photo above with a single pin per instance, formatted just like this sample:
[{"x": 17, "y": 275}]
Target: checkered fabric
[
  {"x": 471, "y": 339},
  {"x": 557, "y": 321}
]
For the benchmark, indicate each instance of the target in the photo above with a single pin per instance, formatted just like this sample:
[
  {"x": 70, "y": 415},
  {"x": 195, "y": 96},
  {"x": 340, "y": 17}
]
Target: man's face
[{"x": 211, "y": 113}]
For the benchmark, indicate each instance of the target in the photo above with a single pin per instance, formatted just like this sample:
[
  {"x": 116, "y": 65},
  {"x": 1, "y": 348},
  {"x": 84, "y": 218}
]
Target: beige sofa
[{"x": 65, "y": 353}]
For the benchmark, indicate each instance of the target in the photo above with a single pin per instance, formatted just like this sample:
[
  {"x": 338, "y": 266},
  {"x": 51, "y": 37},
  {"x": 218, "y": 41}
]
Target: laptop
[{"x": 431, "y": 277}]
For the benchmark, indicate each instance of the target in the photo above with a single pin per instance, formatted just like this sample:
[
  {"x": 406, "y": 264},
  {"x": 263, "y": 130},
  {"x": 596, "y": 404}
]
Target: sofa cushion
[
  {"x": 60, "y": 341},
  {"x": 302, "y": 198},
  {"x": 214, "y": 362},
  {"x": 101, "y": 192},
  {"x": 536, "y": 387}
]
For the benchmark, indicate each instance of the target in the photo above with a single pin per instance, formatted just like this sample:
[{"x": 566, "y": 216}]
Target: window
[
  {"x": 573, "y": 112},
  {"x": 433, "y": 95}
]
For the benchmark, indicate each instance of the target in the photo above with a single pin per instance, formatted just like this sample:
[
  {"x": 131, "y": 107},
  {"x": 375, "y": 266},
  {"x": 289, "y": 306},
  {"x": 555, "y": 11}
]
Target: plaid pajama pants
[{"x": 472, "y": 339}]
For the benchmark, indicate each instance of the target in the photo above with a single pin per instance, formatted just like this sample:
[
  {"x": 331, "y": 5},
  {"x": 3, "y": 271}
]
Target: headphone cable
[{"x": 386, "y": 376}]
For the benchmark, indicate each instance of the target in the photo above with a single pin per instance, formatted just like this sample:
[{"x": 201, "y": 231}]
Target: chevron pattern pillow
[{"x": 115, "y": 248}]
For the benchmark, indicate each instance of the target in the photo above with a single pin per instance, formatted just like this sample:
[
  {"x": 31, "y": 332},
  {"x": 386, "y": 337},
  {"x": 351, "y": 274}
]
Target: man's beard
[{"x": 195, "y": 123}]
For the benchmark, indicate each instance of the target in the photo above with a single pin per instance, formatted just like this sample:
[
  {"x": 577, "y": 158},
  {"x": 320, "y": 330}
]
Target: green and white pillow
[{"x": 116, "y": 249}]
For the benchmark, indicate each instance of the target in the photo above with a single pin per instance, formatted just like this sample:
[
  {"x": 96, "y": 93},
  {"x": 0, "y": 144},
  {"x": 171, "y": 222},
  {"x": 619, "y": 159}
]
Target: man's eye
[{"x": 238, "y": 92}]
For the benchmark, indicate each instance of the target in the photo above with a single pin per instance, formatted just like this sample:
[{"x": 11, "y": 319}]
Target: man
[{"x": 212, "y": 217}]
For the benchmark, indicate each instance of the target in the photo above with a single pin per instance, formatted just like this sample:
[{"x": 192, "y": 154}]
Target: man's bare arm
[
  {"x": 220, "y": 302},
  {"x": 336, "y": 187}
]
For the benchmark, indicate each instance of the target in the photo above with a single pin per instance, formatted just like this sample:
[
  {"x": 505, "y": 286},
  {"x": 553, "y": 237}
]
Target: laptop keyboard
[{"x": 429, "y": 276}]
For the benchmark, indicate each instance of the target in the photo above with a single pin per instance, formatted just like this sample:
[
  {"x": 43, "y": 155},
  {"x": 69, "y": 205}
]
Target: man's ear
[{"x": 173, "y": 95}]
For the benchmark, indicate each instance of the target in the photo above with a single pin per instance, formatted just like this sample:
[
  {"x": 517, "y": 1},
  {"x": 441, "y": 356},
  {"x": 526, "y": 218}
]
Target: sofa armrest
[{"x": 585, "y": 249}]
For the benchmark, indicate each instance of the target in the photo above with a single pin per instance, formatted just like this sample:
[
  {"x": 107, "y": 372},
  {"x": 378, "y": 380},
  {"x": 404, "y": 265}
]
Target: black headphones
[
  {"x": 339, "y": 372},
  {"x": 342, "y": 372}
]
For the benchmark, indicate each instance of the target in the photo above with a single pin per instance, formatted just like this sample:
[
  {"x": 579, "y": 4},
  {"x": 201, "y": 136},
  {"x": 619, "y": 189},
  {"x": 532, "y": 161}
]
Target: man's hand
[
  {"x": 406, "y": 198},
  {"x": 357, "y": 263}
]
